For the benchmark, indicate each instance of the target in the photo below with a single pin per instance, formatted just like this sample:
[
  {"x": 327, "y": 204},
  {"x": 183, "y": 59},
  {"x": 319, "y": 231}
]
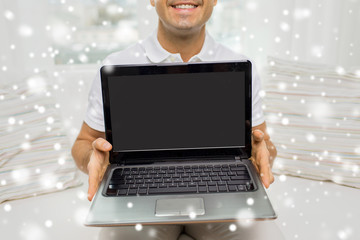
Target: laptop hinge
[
  {"x": 238, "y": 158},
  {"x": 172, "y": 160}
]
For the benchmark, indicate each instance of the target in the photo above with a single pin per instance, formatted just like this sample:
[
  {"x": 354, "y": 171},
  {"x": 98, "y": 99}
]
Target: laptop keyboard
[{"x": 184, "y": 179}]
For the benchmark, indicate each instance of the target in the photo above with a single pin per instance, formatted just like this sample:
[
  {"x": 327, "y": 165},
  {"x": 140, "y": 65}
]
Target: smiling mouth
[{"x": 184, "y": 6}]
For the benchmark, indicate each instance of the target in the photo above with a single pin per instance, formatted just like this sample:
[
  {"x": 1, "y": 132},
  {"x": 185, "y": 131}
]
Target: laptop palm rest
[{"x": 179, "y": 207}]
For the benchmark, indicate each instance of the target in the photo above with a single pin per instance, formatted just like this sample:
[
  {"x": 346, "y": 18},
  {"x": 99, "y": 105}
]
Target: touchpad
[{"x": 179, "y": 207}]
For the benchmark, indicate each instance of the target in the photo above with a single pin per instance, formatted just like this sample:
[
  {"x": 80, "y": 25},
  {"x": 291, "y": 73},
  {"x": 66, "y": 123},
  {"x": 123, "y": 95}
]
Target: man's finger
[
  {"x": 101, "y": 145},
  {"x": 264, "y": 172},
  {"x": 93, "y": 184},
  {"x": 272, "y": 179},
  {"x": 258, "y": 135}
]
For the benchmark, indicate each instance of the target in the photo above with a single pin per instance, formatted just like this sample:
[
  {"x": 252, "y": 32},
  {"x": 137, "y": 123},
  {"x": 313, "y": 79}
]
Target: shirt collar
[{"x": 156, "y": 53}]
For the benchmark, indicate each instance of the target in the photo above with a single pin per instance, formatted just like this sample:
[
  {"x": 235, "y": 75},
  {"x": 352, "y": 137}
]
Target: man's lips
[{"x": 184, "y": 5}]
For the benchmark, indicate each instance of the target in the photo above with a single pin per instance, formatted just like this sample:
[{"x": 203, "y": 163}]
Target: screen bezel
[{"x": 108, "y": 71}]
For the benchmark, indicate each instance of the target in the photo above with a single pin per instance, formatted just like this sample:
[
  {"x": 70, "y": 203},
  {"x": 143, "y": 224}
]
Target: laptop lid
[{"x": 155, "y": 112}]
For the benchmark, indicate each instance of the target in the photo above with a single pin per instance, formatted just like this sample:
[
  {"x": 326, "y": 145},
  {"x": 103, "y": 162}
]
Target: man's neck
[{"x": 187, "y": 44}]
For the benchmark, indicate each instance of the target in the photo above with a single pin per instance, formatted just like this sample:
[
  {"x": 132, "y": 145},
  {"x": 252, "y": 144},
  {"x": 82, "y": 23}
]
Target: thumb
[
  {"x": 101, "y": 145},
  {"x": 258, "y": 135}
]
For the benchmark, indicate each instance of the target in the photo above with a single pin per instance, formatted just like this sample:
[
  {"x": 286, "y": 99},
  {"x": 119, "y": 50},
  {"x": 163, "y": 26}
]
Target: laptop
[{"x": 181, "y": 137}]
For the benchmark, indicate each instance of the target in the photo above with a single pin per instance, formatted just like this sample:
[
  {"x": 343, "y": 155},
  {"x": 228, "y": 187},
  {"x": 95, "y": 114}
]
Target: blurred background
[{"x": 307, "y": 53}]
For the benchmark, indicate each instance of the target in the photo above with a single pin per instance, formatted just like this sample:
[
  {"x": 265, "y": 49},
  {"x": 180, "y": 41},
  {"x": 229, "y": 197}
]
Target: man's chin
[{"x": 185, "y": 27}]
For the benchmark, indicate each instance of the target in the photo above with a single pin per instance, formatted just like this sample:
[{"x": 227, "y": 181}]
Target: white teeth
[{"x": 184, "y": 6}]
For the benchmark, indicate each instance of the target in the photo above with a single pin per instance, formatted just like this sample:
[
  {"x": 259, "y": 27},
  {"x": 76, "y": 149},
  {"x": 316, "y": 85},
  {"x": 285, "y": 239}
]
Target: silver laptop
[{"x": 181, "y": 137}]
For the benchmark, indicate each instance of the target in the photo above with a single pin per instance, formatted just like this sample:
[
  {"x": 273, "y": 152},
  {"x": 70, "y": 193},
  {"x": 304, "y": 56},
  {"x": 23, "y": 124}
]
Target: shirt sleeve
[
  {"x": 257, "y": 112},
  {"x": 94, "y": 115}
]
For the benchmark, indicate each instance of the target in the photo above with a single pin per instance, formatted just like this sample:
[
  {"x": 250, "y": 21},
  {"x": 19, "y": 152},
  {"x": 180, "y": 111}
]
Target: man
[{"x": 180, "y": 36}]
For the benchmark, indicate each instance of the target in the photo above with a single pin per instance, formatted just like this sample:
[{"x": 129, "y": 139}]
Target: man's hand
[
  {"x": 261, "y": 157},
  {"x": 99, "y": 160}
]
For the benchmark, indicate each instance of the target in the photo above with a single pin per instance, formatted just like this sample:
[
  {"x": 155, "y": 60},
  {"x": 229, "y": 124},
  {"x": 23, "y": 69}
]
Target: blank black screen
[{"x": 177, "y": 111}]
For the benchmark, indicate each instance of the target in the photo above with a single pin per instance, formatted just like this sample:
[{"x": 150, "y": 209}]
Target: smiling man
[{"x": 180, "y": 37}]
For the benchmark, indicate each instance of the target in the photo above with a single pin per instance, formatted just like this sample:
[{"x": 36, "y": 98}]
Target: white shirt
[{"x": 150, "y": 51}]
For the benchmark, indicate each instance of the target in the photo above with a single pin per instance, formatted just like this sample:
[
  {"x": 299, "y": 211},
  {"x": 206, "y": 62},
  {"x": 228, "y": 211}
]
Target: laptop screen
[{"x": 170, "y": 111}]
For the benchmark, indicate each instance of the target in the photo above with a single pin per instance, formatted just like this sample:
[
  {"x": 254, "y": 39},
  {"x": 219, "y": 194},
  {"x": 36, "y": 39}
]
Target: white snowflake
[
  {"x": 302, "y": 13},
  {"x": 310, "y": 137},
  {"x": 7, "y": 207},
  {"x": 138, "y": 227},
  {"x": 9, "y": 15},
  {"x": 285, "y": 26},
  {"x": 25, "y": 31},
  {"x": 232, "y": 227},
  {"x": 48, "y": 223},
  {"x": 250, "y": 201}
]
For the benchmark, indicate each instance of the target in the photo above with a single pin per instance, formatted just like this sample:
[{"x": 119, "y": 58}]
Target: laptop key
[
  {"x": 206, "y": 179},
  {"x": 172, "y": 190},
  {"x": 239, "y": 178},
  {"x": 117, "y": 181},
  {"x": 221, "y": 183},
  {"x": 225, "y": 178},
  {"x": 111, "y": 192},
  {"x": 202, "y": 189},
  {"x": 237, "y": 182},
  {"x": 113, "y": 186},
  {"x": 222, "y": 189},
  {"x": 153, "y": 185},
  {"x": 232, "y": 188},
  {"x": 215, "y": 178},
  {"x": 133, "y": 186},
  {"x": 132, "y": 191},
  {"x": 142, "y": 191},
  {"x": 244, "y": 172},
  {"x": 212, "y": 189},
  {"x": 196, "y": 179},
  {"x": 122, "y": 192}
]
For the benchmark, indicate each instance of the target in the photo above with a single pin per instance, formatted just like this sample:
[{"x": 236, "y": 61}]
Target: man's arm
[
  {"x": 91, "y": 154},
  {"x": 263, "y": 153}
]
